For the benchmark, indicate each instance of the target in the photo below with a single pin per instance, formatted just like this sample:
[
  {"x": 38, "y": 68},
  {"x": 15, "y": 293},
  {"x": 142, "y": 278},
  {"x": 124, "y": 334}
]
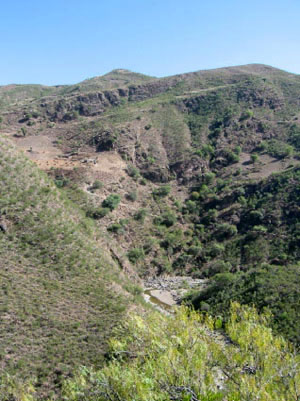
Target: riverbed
[{"x": 166, "y": 292}]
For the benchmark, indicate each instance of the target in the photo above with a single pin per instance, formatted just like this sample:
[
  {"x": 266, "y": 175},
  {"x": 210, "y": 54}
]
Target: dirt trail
[{"x": 199, "y": 91}]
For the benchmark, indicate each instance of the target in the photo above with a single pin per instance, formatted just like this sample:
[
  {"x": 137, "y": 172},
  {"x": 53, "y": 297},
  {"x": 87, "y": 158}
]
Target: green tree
[
  {"x": 112, "y": 201},
  {"x": 254, "y": 158}
]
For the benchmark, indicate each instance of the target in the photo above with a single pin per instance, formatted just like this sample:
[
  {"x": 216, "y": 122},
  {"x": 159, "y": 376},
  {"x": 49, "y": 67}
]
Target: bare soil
[{"x": 265, "y": 166}]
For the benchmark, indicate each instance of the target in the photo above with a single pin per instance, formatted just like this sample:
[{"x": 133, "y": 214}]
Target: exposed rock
[{"x": 3, "y": 226}]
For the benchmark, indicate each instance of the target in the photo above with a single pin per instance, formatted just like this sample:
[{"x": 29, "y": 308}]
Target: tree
[{"x": 254, "y": 158}]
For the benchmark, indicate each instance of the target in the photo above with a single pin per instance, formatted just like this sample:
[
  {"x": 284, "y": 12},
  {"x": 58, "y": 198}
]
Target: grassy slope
[{"x": 60, "y": 293}]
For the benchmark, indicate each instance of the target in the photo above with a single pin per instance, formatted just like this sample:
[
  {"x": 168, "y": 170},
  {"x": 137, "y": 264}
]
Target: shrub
[
  {"x": 132, "y": 196},
  {"x": 294, "y": 136},
  {"x": 246, "y": 115},
  {"x": 260, "y": 229},
  {"x": 61, "y": 182},
  {"x": 208, "y": 178},
  {"x": 161, "y": 192},
  {"x": 172, "y": 241},
  {"x": 97, "y": 185},
  {"x": 254, "y": 158},
  {"x": 279, "y": 149},
  {"x": 237, "y": 150},
  {"x": 135, "y": 254},
  {"x": 140, "y": 215},
  {"x": 162, "y": 357},
  {"x": 191, "y": 206},
  {"x": 216, "y": 250},
  {"x": 116, "y": 228},
  {"x": 262, "y": 147},
  {"x": 232, "y": 157},
  {"x": 98, "y": 213},
  {"x": 166, "y": 219},
  {"x": 194, "y": 195},
  {"x": 143, "y": 181},
  {"x": 149, "y": 244},
  {"x": 111, "y": 202},
  {"x": 211, "y": 216},
  {"x": 218, "y": 267},
  {"x": 132, "y": 171},
  {"x": 226, "y": 230},
  {"x": 194, "y": 250}
]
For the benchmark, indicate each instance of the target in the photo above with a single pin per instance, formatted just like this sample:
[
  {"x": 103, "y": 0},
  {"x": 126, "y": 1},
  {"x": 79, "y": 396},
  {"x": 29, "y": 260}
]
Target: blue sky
[{"x": 66, "y": 41}]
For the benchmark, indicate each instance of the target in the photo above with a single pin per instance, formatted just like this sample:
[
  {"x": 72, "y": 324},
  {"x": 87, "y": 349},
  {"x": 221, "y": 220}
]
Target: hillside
[
  {"x": 206, "y": 134},
  {"x": 193, "y": 360},
  {"x": 61, "y": 292},
  {"x": 195, "y": 174}
]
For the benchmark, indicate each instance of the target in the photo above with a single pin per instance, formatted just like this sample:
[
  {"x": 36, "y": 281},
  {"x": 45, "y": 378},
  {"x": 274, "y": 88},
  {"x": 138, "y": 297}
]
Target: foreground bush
[{"x": 181, "y": 358}]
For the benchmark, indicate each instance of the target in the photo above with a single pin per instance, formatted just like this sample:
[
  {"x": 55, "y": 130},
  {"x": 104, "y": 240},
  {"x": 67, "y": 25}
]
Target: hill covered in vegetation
[
  {"x": 195, "y": 174},
  {"x": 61, "y": 292}
]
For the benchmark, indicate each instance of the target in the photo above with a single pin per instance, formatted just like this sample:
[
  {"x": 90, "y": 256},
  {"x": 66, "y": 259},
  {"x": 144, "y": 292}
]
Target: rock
[{"x": 3, "y": 226}]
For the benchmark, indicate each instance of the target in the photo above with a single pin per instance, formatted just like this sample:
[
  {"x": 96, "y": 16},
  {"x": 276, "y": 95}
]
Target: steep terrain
[
  {"x": 195, "y": 174},
  {"x": 61, "y": 292}
]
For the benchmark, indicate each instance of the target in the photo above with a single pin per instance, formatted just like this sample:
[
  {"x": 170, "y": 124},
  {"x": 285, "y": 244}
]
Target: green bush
[
  {"x": 232, "y": 157},
  {"x": 116, "y": 228},
  {"x": 279, "y": 149},
  {"x": 178, "y": 357},
  {"x": 246, "y": 115},
  {"x": 237, "y": 150},
  {"x": 132, "y": 171},
  {"x": 194, "y": 250},
  {"x": 140, "y": 215},
  {"x": 61, "y": 182},
  {"x": 294, "y": 136},
  {"x": 220, "y": 266},
  {"x": 143, "y": 181},
  {"x": 97, "y": 185},
  {"x": 273, "y": 287},
  {"x": 254, "y": 158},
  {"x": 209, "y": 178},
  {"x": 166, "y": 219},
  {"x": 132, "y": 196},
  {"x": 98, "y": 213},
  {"x": 215, "y": 250},
  {"x": 226, "y": 230},
  {"x": 111, "y": 202},
  {"x": 135, "y": 254},
  {"x": 161, "y": 192}
]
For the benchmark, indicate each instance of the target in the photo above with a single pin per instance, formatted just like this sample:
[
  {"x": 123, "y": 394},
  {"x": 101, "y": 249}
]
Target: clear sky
[{"x": 66, "y": 41}]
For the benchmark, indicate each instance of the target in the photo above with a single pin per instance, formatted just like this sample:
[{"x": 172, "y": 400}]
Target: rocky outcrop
[
  {"x": 3, "y": 226},
  {"x": 94, "y": 103},
  {"x": 188, "y": 170}
]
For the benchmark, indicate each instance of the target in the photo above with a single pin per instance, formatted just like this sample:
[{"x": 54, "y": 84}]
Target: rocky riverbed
[{"x": 168, "y": 291}]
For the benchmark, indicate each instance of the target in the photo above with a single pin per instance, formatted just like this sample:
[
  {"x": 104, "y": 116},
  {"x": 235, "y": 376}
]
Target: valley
[{"x": 125, "y": 192}]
